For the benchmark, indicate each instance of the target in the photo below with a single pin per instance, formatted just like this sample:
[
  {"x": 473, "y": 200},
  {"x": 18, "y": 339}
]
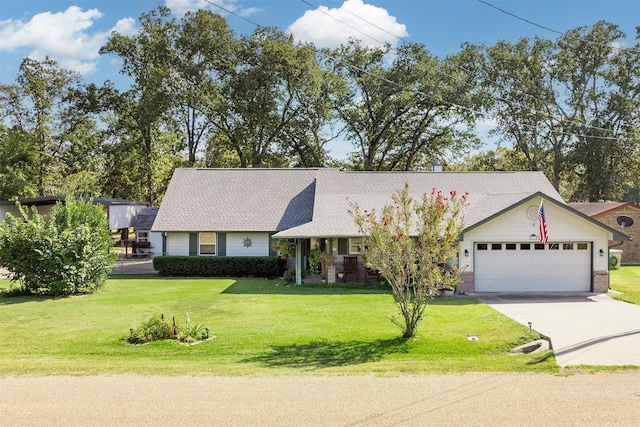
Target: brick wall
[
  {"x": 631, "y": 250},
  {"x": 468, "y": 283},
  {"x": 601, "y": 282}
]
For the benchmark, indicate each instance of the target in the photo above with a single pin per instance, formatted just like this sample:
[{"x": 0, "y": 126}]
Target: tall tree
[
  {"x": 201, "y": 49},
  {"x": 275, "y": 103},
  {"x": 35, "y": 105},
  {"x": 561, "y": 102},
  {"x": 146, "y": 58},
  {"x": 608, "y": 103},
  {"x": 406, "y": 114}
]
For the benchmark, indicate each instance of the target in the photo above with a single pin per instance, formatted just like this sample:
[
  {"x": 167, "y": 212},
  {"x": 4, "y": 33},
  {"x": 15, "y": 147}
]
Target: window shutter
[
  {"x": 343, "y": 246},
  {"x": 193, "y": 244},
  {"x": 221, "y": 248}
]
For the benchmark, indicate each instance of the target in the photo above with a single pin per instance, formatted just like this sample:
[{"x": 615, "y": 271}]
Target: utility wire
[
  {"x": 401, "y": 40},
  {"x": 361, "y": 70}
]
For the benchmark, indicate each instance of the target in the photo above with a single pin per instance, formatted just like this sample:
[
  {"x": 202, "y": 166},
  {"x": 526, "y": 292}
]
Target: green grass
[
  {"x": 627, "y": 282},
  {"x": 258, "y": 327}
]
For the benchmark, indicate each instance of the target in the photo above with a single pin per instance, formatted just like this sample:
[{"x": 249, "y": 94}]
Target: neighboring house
[
  {"x": 121, "y": 213},
  {"x": 622, "y": 216},
  {"x": 231, "y": 212}
]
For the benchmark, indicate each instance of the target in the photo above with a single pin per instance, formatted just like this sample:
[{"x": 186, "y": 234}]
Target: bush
[
  {"x": 154, "y": 329},
  {"x": 157, "y": 328},
  {"x": 65, "y": 252},
  {"x": 219, "y": 266}
]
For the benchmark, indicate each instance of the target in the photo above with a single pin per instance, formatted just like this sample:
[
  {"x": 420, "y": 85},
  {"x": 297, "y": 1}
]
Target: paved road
[
  {"x": 481, "y": 399},
  {"x": 585, "y": 328}
]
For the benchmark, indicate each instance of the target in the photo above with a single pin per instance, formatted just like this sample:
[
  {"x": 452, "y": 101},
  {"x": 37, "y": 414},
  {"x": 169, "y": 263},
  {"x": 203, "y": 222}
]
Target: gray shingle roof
[
  {"x": 315, "y": 202},
  {"x": 489, "y": 193},
  {"x": 146, "y": 218},
  {"x": 237, "y": 200}
]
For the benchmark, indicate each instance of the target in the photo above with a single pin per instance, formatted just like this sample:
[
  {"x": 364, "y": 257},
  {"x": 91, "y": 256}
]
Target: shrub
[
  {"x": 157, "y": 328},
  {"x": 65, "y": 252},
  {"x": 219, "y": 266},
  {"x": 154, "y": 329}
]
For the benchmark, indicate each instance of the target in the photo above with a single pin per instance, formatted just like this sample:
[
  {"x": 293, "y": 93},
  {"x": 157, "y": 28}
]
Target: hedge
[{"x": 219, "y": 266}]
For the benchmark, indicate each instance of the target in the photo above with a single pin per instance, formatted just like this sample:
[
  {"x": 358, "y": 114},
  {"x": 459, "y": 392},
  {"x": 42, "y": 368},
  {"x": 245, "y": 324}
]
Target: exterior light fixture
[
  {"x": 466, "y": 252},
  {"x": 533, "y": 237},
  {"x": 601, "y": 252}
]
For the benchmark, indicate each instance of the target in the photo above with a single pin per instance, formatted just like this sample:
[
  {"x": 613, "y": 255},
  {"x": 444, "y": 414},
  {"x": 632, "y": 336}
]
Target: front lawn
[
  {"x": 626, "y": 284},
  {"x": 257, "y": 327}
]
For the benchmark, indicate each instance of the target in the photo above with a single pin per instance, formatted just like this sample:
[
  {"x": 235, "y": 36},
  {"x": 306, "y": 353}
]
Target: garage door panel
[{"x": 557, "y": 267}]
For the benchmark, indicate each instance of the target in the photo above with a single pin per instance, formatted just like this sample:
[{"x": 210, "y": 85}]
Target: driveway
[{"x": 584, "y": 328}]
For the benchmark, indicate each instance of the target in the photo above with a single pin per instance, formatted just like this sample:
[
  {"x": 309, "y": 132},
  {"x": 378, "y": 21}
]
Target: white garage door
[{"x": 532, "y": 267}]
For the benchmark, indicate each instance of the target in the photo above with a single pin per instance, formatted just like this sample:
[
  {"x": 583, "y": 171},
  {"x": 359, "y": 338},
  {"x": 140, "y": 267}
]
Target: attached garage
[{"x": 532, "y": 267}]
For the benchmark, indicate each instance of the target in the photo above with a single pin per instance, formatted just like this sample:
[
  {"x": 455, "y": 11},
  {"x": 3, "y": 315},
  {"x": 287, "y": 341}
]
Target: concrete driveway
[{"x": 584, "y": 328}]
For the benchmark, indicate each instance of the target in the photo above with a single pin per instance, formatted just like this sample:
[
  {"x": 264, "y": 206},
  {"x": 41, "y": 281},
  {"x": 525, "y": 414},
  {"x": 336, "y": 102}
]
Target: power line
[
  {"x": 361, "y": 70},
  {"x": 457, "y": 65}
]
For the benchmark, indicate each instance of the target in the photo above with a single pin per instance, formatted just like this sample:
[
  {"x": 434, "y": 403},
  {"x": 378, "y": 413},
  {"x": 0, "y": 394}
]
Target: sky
[{"x": 72, "y": 31}]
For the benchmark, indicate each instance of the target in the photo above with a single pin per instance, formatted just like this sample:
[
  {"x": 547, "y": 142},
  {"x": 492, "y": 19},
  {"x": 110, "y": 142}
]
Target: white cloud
[
  {"x": 354, "y": 19},
  {"x": 63, "y": 36},
  {"x": 180, "y": 7}
]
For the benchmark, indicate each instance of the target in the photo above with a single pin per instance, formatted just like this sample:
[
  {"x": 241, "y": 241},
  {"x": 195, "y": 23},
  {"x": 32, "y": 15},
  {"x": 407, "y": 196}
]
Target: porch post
[{"x": 299, "y": 250}]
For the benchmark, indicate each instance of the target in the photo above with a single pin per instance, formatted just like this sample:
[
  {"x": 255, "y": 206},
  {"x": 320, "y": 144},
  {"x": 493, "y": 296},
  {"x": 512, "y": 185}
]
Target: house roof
[
  {"x": 298, "y": 203},
  {"x": 237, "y": 200},
  {"x": 489, "y": 193},
  {"x": 617, "y": 235},
  {"x": 146, "y": 218},
  {"x": 598, "y": 208}
]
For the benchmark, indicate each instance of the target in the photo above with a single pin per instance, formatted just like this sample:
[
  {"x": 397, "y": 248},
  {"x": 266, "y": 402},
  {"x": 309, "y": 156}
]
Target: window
[
  {"x": 583, "y": 246},
  {"x": 143, "y": 236},
  {"x": 567, "y": 246},
  {"x": 525, "y": 246},
  {"x": 355, "y": 245},
  {"x": 482, "y": 246},
  {"x": 510, "y": 246},
  {"x": 496, "y": 246},
  {"x": 554, "y": 246},
  {"x": 207, "y": 244},
  {"x": 539, "y": 246}
]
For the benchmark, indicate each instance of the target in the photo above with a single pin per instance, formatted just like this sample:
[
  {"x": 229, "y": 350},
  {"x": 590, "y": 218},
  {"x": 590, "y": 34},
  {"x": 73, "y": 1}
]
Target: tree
[
  {"x": 18, "y": 164},
  {"x": 146, "y": 58},
  {"x": 411, "y": 243},
  {"x": 65, "y": 252},
  {"x": 406, "y": 114},
  {"x": 276, "y": 101},
  {"x": 570, "y": 106},
  {"x": 202, "y": 47},
  {"x": 35, "y": 106}
]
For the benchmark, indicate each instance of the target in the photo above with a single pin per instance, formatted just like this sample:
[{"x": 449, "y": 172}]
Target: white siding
[
  {"x": 515, "y": 226},
  {"x": 177, "y": 243},
  {"x": 259, "y": 244},
  {"x": 156, "y": 243}
]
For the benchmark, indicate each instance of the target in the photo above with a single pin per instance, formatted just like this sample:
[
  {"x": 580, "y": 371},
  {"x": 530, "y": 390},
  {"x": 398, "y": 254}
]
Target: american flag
[{"x": 544, "y": 236}]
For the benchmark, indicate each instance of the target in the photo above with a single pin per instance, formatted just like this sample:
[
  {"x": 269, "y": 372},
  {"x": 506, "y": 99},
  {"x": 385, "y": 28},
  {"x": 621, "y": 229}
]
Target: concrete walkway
[
  {"x": 134, "y": 266},
  {"x": 584, "y": 328}
]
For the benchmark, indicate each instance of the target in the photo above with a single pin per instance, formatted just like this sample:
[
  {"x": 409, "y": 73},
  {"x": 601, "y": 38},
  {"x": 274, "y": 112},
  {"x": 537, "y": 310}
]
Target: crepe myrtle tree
[
  {"x": 410, "y": 242},
  {"x": 66, "y": 252}
]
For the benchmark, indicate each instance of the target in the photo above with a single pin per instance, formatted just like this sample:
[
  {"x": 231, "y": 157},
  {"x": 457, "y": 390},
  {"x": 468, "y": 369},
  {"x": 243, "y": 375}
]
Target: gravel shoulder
[{"x": 478, "y": 399}]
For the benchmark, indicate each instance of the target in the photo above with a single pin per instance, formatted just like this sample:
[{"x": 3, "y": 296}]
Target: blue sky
[{"x": 72, "y": 31}]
